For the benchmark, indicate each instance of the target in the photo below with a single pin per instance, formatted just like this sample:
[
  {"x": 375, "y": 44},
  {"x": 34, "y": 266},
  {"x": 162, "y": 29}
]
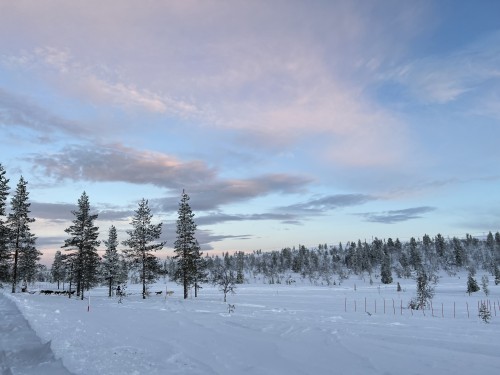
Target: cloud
[
  {"x": 441, "y": 79},
  {"x": 396, "y": 216},
  {"x": 19, "y": 111},
  {"x": 211, "y": 195},
  {"x": 218, "y": 218},
  {"x": 292, "y": 214},
  {"x": 277, "y": 84},
  {"x": 117, "y": 163},
  {"x": 63, "y": 212},
  {"x": 327, "y": 203},
  {"x": 56, "y": 212},
  {"x": 98, "y": 84}
]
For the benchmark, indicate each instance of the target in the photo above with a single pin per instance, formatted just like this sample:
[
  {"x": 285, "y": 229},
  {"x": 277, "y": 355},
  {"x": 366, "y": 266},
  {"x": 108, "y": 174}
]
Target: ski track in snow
[
  {"x": 297, "y": 329},
  {"x": 21, "y": 350}
]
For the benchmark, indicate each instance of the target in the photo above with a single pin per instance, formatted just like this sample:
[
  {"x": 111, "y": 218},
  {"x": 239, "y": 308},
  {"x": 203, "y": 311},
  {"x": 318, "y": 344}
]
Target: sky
[{"x": 286, "y": 122}]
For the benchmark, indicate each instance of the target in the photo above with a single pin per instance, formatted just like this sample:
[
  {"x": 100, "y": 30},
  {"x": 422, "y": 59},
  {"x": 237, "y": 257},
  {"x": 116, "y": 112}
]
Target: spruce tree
[
  {"x": 58, "y": 269},
  {"x": 142, "y": 242},
  {"x": 83, "y": 242},
  {"x": 187, "y": 251},
  {"x": 496, "y": 273},
  {"x": 200, "y": 269},
  {"x": 22, "y": 242},
  {"x": 240, "y": 263},
  {"x": 484, "y": 283},
  {"x": 425, "y": 291},
  {"x": 472, "y": 285},
  {"x": 111, "y": 259},
  {"x": 385, "y": 271},
  {"x": 4, "y": 229}
]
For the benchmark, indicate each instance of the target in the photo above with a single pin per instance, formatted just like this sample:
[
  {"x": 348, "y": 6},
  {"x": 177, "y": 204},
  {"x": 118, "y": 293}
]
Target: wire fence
[{"x": 453, "y": 309}]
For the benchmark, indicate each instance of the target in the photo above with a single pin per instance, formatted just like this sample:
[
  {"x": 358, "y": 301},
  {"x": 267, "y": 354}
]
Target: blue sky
[{"x": 287, "y": 122}]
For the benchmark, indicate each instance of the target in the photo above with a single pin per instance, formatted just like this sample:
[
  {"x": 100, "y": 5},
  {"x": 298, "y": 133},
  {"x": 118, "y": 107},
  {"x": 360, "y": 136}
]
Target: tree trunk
[
  {"x": 16, "y": 256},
  {"x": 185, "y": 285},
  {"x": 14, "y": 276},
  {"x": 78, "y": 283},
  {"x": 144, "y": 275},
  {"x": 110, "y": 282}
]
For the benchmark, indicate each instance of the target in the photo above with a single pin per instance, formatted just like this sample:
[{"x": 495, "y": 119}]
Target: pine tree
[
  {"x": 111, "y": 259},
  {"x": 458, "y": 252},
  {"x": 425, "y": 291},
  {"x": 83, "y": 242},
  {"x": 58, "y": 269},
  {"x": 415, "y": 257},
  {"x": 497, "y": 274},
  {"x": 385, "y": 271},
  {"x": 22, "y": 242},
  {"x": 200, "y": 268},
  {"x": 484, "y": 312},
  {"x": 28, "y": 261},
  {"x": 490, "y": 242},
  {"x": 484, "y": 283},
  {"x": 142, "y": 242},
  {"x": 4, "y": 229},
  {"x": 240, "y": 263},
  {"x": 472, "y": 285},
  {"x": 185, "y": 246},
  {"x": 440, "y": 245}
]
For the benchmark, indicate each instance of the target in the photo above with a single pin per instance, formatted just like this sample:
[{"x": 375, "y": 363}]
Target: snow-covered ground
[
  {"x": 21, "y": 350},
  {"x": 274, "y": 329}
]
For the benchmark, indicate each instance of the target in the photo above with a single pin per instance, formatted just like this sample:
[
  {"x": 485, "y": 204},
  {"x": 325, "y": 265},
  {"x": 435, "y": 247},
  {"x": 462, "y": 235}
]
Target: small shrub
[{"x": 484, "y": 312}]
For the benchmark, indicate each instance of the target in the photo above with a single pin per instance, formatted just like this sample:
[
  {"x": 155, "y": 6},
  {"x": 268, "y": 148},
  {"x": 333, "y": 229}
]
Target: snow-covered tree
[
  {"x": 22, "y": 241},
  {"x": 385, "y": 269},
  {"x": 111, "y": 259},
  {"x": 200, "y": 269},
  {"x": 484, "y": 283},
  {"x": 496, "y": 272},
  {"x": 425, "y": 291},
  {"x": 83, "y": 242},
  {"x": 484, "y": 312},
  {"x": 142, "y": 243},
  {"x": 58, "y": 269},
  {"x": 187, "y": 251},
  {"x": 472, "y": 285},
  {"x": 4, "y": 229}
]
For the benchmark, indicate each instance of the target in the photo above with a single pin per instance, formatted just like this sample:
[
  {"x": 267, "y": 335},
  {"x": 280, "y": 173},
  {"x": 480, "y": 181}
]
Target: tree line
[{"x": 79, "y": 265}]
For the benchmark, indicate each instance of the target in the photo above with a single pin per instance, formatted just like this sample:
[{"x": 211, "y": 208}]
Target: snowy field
[{"x": 274, "y": 329}]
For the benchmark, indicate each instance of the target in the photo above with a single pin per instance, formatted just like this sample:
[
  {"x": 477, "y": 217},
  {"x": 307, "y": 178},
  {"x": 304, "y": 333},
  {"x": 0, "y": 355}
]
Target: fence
[{"x": 442, "y": 310}]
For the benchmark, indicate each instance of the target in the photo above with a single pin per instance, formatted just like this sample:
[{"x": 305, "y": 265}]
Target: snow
[
  {"x": 21, "y": 350},
  {"x": 274, "y": 329}
]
